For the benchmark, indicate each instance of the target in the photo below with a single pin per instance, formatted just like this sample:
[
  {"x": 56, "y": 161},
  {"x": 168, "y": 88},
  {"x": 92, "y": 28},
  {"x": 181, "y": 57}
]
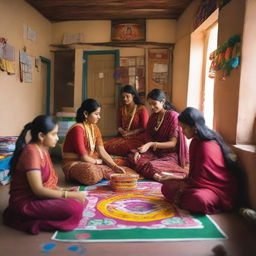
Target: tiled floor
[{"x": 241, "y": 241}]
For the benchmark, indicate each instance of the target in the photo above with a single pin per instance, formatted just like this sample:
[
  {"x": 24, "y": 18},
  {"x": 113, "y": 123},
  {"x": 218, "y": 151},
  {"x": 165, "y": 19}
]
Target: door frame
[
  {"x": 85, "y": 66},
  {"x": 48, "y": 83}
]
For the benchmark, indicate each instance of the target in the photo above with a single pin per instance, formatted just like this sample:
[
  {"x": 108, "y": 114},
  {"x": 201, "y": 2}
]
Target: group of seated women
[{"x": 202, "y": 180}]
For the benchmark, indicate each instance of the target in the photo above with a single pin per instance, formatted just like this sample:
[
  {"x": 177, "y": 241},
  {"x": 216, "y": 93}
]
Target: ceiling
[{"x": 66, "y": 10}]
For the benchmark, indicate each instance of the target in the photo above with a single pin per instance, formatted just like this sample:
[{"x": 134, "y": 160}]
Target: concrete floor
[{"x": 241, "y": 240}]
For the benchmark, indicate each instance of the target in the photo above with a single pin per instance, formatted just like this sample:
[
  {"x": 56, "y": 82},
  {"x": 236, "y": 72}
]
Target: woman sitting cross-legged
[
  {"x": 132, "y": 121},
  {"x": 84, "y": 157},
  {"x": 165, "y": 149},
  {"x": 211, "y": 186},
  {"x": 36, "y": 202}
]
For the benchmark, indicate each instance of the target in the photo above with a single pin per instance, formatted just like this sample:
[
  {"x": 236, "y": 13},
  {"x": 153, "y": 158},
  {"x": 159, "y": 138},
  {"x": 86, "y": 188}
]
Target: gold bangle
[
  {"x": 65, "y": 194},
  {"x": 96, "y": 161}
]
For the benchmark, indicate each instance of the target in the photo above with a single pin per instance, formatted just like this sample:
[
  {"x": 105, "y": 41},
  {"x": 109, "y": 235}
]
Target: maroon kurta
[
  {"x": 210, "y": 187},
  {"x": 29, "y": 213},
  {"x": 168, "y": 160}
]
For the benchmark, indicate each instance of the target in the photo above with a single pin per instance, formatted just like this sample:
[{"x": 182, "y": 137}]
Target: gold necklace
[
  {"x": 159, "y": 122},
  {"x": 90, "y": 135},
  {"x": 132, "y": 116}
]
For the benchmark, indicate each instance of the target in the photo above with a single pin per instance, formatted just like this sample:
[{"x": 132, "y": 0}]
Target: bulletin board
[
  {"x": 158, "y": 69},
  {"x": 132, "y": 72}
]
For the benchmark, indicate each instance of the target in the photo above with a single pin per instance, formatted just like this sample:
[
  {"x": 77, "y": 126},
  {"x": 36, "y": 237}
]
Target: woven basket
[{"x": 123, "y": 182}]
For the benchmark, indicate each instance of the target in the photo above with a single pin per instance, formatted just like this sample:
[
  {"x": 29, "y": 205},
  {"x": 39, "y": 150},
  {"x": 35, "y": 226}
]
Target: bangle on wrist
[
  {"x": 64, "y": 194},
  {"x": 96, "y": 161}
]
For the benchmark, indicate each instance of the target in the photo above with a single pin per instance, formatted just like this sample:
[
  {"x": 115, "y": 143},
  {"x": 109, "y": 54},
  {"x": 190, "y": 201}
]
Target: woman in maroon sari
[
  {"x": 211, "y": 186},
  {"x": 36, "y": 202},
  {"x": 132, "y": 121},
  {"x": 165, "y": 149}
]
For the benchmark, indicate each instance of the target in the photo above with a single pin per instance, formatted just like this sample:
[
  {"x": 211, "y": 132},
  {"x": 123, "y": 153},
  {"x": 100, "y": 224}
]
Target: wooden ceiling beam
[{"x": 64, "y": 10}]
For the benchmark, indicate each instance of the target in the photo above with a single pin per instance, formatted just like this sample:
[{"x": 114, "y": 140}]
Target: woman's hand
[
  {"x": 164, "y": 176},
  {"x": 79, "y": 195},
  {"x": 144, "y": 148},
  {"x": 137, "y": 157},
  {"x": 125, "y": 134},
  {"x": 118, "y": 169},
  {"x": 121, "y": 130}
]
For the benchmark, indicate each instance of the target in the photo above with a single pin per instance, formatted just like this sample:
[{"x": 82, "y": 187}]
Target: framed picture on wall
[{"x": 128, "y": 30}]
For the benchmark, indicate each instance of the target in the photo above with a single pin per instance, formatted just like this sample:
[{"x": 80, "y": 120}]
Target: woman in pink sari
[
  {"x": 211, "y": 186},
  {"x": 36, "y": 202},
  {"x": 165, "y": 150},
  {"x": 132, "y": 121}
]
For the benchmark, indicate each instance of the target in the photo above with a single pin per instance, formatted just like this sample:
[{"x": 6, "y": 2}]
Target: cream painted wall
[
  {"x": 226, "y": 98},
  {"x": 181, "y": 57},
  {"x": 97, "y": 31},
  {"x": 162, "y": 31},
  {"x": 21, "y": 102},
  {"x": 246, "y": 128},
  {"x": 180, "y": 73}
]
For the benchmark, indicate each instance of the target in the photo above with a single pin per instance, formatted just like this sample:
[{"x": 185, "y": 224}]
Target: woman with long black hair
[
  {"x": 211, "y": 186},
  {"x": 36, "y": 202}
]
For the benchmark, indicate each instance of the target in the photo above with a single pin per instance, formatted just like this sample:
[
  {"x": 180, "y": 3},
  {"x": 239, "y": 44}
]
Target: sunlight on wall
[{"x": 209, "y": 82}]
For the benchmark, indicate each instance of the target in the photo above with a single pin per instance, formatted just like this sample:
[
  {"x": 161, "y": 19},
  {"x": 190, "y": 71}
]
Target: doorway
[
  {"x": 63, "y": 80},
  {"x": 46, "y": 83},
  {"x": 99, "y": 83}
]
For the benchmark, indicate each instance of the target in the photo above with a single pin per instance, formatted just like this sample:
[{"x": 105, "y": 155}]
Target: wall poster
[{"x": 128, "y": 30}]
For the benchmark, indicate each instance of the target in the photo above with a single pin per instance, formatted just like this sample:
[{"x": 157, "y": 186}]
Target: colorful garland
[{"x": 226, "y": 57}]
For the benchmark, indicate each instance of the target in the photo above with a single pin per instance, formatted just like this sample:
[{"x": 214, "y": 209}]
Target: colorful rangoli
[{"x": 143, "y": 208}]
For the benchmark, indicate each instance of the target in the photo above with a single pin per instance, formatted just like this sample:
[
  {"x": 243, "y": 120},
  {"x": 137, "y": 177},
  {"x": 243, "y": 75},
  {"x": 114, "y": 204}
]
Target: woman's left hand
[
  {"x": 126, "y": 134},
  {"x": 144, "y": 148}
]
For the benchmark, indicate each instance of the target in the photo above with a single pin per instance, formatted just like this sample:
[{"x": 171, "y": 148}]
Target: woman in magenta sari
[
  {"x": 132, "y": 121},
  {"x": 165, "y": 149},
  {"x": 211, "y": 186},
  {"x": 36, "y": 202}
]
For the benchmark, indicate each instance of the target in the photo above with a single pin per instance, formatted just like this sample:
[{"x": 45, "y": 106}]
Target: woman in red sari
[
  {"x": 84, "y": 157},
  {"x": 211, "y": 186},
  {"x": 36, "y": 202},
  {"x": 165, "y": 149},
  {"x": 132, "y": 121}
]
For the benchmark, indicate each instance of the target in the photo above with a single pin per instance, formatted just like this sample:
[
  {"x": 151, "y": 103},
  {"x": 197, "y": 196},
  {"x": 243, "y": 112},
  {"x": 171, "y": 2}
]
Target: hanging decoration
[
  {"x": 226, "y": 57},
  {"x": 7, "y": 57}
]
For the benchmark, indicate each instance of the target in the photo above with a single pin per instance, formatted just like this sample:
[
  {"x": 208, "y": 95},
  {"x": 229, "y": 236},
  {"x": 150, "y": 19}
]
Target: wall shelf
[{"x": 137, "y": 44}]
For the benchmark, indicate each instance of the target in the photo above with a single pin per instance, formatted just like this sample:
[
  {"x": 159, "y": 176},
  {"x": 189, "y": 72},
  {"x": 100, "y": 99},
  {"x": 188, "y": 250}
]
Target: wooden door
[{"x": 101, "y": 86}]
